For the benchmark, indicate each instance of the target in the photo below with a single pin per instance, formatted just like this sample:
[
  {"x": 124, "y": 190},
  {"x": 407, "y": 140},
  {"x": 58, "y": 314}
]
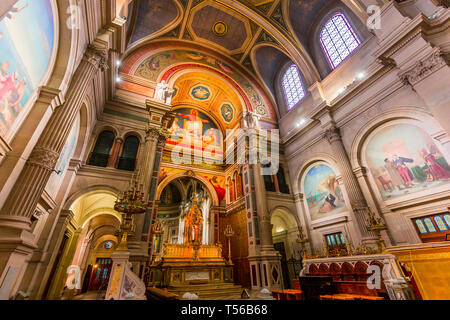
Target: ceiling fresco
[
  {"x": 210, "y": 94},
  {"x": 152, "y": 16},
  {"x": 152, "y": 64},
  {"x": 210, "y": 24}
]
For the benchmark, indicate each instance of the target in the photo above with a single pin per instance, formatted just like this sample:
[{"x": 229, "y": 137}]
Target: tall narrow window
[
  {"x": 130, "y": 149},
  {"x": 292, "y": 86},
  {"x": 338, "y": 39},
  {"x": 100, "y": 155}
]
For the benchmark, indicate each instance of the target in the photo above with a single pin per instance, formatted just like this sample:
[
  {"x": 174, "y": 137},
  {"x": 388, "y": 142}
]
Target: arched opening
[
  {"x": 127, "y": 160},
  {"x": 284, "y": 235},
  {"x": 90, "y": 239},
  {"x": 102, "y": 149}
]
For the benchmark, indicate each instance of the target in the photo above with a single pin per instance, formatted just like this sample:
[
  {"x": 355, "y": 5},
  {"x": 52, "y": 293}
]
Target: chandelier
[{"x": 129, "y": 203}]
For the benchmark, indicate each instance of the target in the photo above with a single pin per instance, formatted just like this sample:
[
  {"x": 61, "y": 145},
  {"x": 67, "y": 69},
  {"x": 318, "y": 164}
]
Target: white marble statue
[{"x": 164, "y": 92}]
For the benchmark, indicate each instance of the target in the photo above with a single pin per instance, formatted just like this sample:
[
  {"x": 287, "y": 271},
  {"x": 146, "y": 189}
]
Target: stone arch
[
  {"x": 92, "y": 189},
  {"x": 205, "y": 182}
]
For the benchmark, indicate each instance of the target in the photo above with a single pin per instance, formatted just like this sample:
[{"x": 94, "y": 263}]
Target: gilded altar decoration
[{"x": 193, "y": 225}]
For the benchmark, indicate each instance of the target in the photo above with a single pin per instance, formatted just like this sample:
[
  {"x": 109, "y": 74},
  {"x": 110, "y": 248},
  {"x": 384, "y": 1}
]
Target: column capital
[
  {"x": 332, "y": 134},
  {"x": 44, "y": 158},
  {"x": 97, "y": 56}
]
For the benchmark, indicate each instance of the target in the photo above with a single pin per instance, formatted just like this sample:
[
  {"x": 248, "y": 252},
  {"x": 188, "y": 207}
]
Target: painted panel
[
  {"x": 26, "y": 45},
  {"x": 323, "y": 193},
  {"x": 403, "y": 159}
]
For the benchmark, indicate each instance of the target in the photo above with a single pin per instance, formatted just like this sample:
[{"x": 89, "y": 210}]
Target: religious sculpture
[
  {"x": 193, "y": 225},
  {"x": 164, "y": 92}
]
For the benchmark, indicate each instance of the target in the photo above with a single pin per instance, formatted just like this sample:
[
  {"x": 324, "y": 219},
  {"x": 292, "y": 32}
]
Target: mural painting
[
  {"x": 193, "y": 129},
  {"x": 26, "y": 42},
  {"x": 153, "y": 66},
  {"x": 217, "y": 182},
  {"x": 403, "y": 159},
  {"x": 323, "y": 193}
]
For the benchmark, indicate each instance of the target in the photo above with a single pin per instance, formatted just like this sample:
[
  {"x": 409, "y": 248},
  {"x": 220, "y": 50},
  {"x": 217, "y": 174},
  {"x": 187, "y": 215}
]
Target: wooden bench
[{"x": 288, "y": 294}]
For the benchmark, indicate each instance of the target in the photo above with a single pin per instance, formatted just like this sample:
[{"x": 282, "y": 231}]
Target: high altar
[{"x": 192, "y": 266}]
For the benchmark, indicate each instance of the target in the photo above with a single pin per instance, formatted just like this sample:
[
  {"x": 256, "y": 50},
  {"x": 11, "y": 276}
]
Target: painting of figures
[
  {"x": 192, "y": 129},
  {"x": 403, "y": 159},
  {"x": 323, "y": 193},
  {"x": 26, "y": 44}
]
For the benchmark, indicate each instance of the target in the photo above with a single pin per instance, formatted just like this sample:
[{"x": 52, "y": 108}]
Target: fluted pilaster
[
  {"x": 355, "y": 194},
  {"x": 25, "y": 194}
]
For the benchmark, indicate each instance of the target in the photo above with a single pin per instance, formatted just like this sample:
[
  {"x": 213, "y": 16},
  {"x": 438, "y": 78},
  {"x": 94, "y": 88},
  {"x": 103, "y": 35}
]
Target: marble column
[
  {"x": 22, "y": 200},
  {"x": 355, "y": 194}
]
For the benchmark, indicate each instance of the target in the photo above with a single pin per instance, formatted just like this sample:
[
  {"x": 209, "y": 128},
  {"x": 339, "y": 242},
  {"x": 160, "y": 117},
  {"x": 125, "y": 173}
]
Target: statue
[
  {"x": 193, "y": 225},
  {"x": 251, "y": 120},
  {"x": 164, "y": 92}
]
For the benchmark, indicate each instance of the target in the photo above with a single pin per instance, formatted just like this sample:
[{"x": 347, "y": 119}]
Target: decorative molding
[
  {"x": 96, "y": 56},
  {"x": 44, "y": 158},
  {"x": 425, "y": 67},
  {"x": 332, "y": 134}
]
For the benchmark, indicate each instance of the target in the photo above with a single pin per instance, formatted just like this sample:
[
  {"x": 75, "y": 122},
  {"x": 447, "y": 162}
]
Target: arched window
[
  {"x": 100, "y": 155},
  {"x": 292, "y": 86},
  {"x": 421, "y": 227},
  {"x": 447, "y": 219},
  {"x": 440, "y": 223},
  {"x": 283, "y": 186},
  {"x": 429, "y": 225},
  {"x": 338, "y": 39},
  {"x": 128, "y": 157}
]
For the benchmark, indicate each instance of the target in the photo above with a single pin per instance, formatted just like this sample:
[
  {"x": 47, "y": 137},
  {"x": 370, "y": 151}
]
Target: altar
[{"x": 192, "y": 266}]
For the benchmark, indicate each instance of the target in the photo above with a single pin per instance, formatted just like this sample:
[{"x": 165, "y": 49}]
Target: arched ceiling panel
[
  {"x": 150, "y": 64},
  {"x": 153, "y": 15},
  {"x": 268, "y": 61}
]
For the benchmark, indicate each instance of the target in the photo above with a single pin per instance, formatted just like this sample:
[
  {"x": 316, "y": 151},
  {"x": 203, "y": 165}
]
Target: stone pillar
[
  {"x": 160, "y": 120},
  {"x": 22, "y": 200},
  {"x": 112, "y": 163},
  {"x": 355, "y": 195}
]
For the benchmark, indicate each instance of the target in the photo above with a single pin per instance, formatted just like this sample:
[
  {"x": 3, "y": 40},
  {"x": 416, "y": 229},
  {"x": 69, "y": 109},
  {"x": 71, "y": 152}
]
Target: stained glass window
[
  {"x": 421, "y": 227},
  {"x": 447, "y": 219},
  {"x": 342, "y": 238},
  {"x": 292, "y": 86},
  {"x": 338, "y": 39},
  {"x": 440, "y": 223},
  {"x": 429, "y": 225}
]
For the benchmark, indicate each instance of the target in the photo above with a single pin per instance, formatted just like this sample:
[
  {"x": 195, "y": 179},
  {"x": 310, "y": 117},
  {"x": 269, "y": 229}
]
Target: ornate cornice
[{"x": 425, "y": 67}]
